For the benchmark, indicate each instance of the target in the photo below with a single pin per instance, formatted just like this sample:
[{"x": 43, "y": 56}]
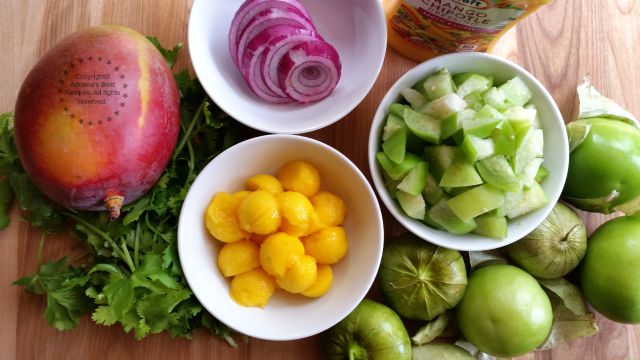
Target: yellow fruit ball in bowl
[
  {"x": 299, "y": 176},
  {"x": 238, "y": 257},
  {"x": 330, "y": 208},
  {"x": 322, "y": 284},
  {"x": 302, "y": 273},
  {"x": 259, "y": 213},
  {"x": 221, "y": 220},
  {"x": 278, "y": 252},
  {"x": 297, "y": 213},
  {"x": 252, "y": 288},
  {"x": 264, "y": 182},
  {"x": 327, "y": 246}
]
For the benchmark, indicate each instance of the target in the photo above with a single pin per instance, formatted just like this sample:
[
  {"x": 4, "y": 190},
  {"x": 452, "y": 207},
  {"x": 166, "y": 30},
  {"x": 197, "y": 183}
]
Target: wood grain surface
[{"x": 559, "y": 44}]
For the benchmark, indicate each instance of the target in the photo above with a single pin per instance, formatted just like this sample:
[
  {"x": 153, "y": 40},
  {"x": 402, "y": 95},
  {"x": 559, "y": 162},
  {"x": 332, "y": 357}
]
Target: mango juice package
[{"x": 422, "y": 29}]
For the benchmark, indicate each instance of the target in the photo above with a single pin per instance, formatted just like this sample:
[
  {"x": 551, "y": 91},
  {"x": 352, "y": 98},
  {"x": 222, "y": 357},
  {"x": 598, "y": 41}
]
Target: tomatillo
[
  {"x": 372, "y": 331},
  {"x": 604, "y": 166},
  {"x": 504, "y": 311},
  {"x": 609, "y": 272}
]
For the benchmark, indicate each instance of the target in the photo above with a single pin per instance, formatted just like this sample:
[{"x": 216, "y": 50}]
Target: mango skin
[{"x": 115, "y": 149}]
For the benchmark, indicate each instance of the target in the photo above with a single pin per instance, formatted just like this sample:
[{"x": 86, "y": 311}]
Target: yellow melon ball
[
  {"x": 221, "y": 219},
  {"x": 300, "y": 276},
  {"x": 328, "y": 245},
  {"x": 241, "y": 194},
  {"x": 238, "y": 257},
  {"x": 299, "y": 176},
  {"x": 322, "y": 284},
  {"x": 259, "y": 213},
  {"x": 264, "y": 182},
  {"x": 278, "y": 252},
  {"x": 330, "y": 208},
  {"x": 252, "y": 288},
  {"x": 297, "y": 213}
]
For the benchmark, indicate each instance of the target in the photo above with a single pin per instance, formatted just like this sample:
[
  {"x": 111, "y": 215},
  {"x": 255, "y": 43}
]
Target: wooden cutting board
[{"x": 559, "y": 44}]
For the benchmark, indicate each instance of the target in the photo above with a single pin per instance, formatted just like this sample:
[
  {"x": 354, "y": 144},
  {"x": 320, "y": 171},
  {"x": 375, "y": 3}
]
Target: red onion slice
[
  {"x": 278, "y": 47},
  {"x": 252, "y": 59},
  {"x": 268, "y": 18},
  {"x": 310, "y": 71},
  {"x": 247, "y": 11}
]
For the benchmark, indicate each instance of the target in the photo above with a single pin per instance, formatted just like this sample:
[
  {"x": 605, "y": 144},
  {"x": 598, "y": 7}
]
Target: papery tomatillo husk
[{"x": 554, "y": 248}]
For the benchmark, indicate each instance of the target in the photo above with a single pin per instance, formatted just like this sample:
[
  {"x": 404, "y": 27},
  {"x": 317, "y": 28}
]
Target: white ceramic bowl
[
  {"x": 556, "y": 148},
  {"x": 356, "y": 28},
  {"x": 286, "y": 316}
]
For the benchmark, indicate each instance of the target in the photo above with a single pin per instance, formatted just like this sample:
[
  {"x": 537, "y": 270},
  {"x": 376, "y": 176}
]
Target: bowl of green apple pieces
[{"x": 468, "y": 151}]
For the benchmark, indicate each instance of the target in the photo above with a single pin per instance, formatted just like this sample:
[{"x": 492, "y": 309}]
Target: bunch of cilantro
[{"x": 133, "y": 275}]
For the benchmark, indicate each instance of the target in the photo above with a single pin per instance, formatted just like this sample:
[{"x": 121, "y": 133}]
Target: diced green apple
[
  {"x": 476, "y": 148},
  {"x": 397, "y": 171},
  {"x": 495, "y": 98},
  {"x": 460, "y": 173},
  {"x": 497, "y": 171},
  {"x": 474, "y": 83},
  {"x": 504, "y": 139},
  {"x": 491, "y": 225},
  {"x": 438, "y": 85},
  {"x": 516, "y": 91},
  {"x": 393, "y": 124},
  {"x": 440, "y": 158},
  {"x": 423, "y": 126},
  {"x": 480, "y": 127},
  {"x": 415, "y": 180},
  {"x": 444, "y": 106},
  {"x": 528, "y": 175},
  {"x": 431, "y": 192},
  {"x": 414, "y": 98},
  {"x": 441, "y": 214},
  {"x": 520, "y": 203},
  {"x": 413, "y": 205},
  {"x": 477, "y": 201},
  {"x": 396, "y": 146}
]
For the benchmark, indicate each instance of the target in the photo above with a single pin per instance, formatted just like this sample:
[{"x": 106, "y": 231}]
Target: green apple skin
[
  {"x": 372, "y": 331},
  {"x": 504, "y": 311},
  {"x": 610, "y": 270}
]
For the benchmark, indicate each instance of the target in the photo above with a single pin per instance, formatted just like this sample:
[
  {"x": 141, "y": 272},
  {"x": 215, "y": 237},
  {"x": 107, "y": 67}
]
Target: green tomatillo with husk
[
  {"x": 554, "y": 248},
  {"x": 604, "y": 163},
  {"x": 420, "y": 280}
]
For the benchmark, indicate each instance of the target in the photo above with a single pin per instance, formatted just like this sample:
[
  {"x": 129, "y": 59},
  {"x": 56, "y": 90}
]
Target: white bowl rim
[
  {"x": 415, "y": 226},
  {"x": 379, "y": 223},
  {"x": 196, "y": 62}
]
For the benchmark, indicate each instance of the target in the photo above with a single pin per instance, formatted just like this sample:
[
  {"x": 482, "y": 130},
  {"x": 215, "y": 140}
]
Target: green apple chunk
[
  {"x": 516, "y": 91},
  {"x": 476, "y": 201},
  {"x": 520, "y": 203},
  {"x": 504, "y": 138},
  {"x": 441, "y": 214},
  {"x": 413, "y": 205},
  {"x": 396, "y": 146},
  {"x": 480, "y": 127},
  {"x": 474, "y": 83},
  {"x": 437, "y": 85},
  {"x": 477, "y": 148},
  {"x": 423, "y": 126},
  {"x": 440, "y": 158},
  {"x": 495, "y": 98},
  {"x": 415, "y": 180},
  {"x": 497, "y": 172},
  {"x": 397, "y": 171},
  {"x": 393, "y": 124},
  {"x": 460, "y": 173},
  {"x": 491, "y": 225},
  {"x": 431, "y": 192},
  {"x": 444, "y": 106},
  {"x": 414, "y": 98},
  {"x": 371, "y": 331}
]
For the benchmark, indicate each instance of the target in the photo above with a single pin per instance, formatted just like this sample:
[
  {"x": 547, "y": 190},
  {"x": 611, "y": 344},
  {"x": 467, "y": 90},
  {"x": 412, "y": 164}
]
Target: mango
[{"x": 97, "y": 119}]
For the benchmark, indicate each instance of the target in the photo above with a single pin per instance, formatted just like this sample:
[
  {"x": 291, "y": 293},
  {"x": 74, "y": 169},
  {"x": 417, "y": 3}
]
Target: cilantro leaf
[
  {"x": 64, "y": 286},
  {"x": 169, "y": 56},
  {"x": 40, "y": 211},
  {"x": 6, "y": 196}
]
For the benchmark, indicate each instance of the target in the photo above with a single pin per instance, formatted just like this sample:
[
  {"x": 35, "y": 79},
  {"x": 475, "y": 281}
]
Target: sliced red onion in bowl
[
  {"x": 273, "y": 54},
  {"x": 252, "y": 59},
  {"x": 268, "y": 18},
  {"x": 309, "y": 71},
  {"x": 247, "y": 11}
]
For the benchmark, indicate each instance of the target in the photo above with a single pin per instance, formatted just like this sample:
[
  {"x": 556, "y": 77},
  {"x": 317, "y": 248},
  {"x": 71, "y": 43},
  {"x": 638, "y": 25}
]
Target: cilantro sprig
[{"x": 133, "y": 275}]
